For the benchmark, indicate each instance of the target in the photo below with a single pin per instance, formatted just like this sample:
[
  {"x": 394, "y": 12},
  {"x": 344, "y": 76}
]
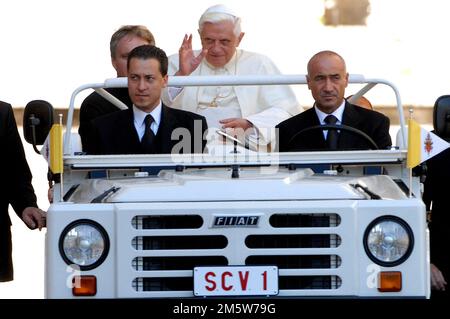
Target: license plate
[{"x": 236, "y": 281}]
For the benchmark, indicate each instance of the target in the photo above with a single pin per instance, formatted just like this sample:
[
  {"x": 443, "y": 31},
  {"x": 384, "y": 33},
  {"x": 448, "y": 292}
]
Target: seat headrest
[{"x": 441, "y": 117}]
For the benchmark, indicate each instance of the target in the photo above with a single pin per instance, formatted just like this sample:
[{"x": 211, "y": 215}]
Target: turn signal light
[
  {"x": 84, "y": 286},
  {"x": 390, "y": 281}
]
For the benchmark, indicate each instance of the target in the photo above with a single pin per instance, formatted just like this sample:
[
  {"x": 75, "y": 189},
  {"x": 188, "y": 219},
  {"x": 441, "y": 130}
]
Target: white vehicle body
[{"x": 237, "y": 210}]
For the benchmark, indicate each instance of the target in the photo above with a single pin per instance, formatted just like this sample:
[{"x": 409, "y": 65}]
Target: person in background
[
  {"x": 148, "y": 127},
  {"x": 15, "y": 189},
  {"x": 327, "y": 79},
  {"x": 122, "y": 42},
  {"x": 361, "y": 101},
  {"x": 253, "y": 110}
]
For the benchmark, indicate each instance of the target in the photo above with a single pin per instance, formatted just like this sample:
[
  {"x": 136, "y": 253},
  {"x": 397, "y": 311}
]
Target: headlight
[
  {"x": 388, "y": 241},
  {"x": 84, "y": 243}
]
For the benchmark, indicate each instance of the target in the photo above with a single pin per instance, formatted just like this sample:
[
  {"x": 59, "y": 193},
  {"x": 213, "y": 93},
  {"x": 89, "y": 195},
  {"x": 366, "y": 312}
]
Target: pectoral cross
[{"x": 213, "y": 103}]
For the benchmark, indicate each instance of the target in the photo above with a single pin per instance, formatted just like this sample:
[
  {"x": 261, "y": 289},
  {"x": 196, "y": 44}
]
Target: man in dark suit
[
  {"x": 122, "y": 42},
  {"x": 15, "y": 189},
  {"x": 149, "y": 127},
  {"x": 327, "y": 79},
  {"x": 436, "y": 198}
]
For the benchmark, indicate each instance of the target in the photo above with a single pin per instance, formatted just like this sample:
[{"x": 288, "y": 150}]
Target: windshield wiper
[
  {"x": 366, "y": 190},
  {"x": 102, "y": 196}
]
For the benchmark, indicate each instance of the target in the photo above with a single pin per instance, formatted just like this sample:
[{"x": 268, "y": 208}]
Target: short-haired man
[
  {"x": 149, "y": 127},
  {"x": 122, "y": 42},
  {"x": 327, "y": 79}
]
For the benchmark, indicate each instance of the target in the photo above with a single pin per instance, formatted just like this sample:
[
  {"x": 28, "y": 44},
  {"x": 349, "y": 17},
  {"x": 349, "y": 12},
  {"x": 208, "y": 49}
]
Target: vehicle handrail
[
  {"x": 359, "y": 157},
  {"x": 226, "y": 80}
]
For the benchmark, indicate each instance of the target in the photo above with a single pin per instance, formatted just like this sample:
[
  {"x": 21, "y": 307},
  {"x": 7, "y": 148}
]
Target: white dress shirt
[
  {"x": 338, "y": 113},
  {"x": 139, "y": 117}
]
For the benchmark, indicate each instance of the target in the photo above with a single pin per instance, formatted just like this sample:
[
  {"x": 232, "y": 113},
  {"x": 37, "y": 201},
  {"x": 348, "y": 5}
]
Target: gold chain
[{"x": 215, "y": 101}]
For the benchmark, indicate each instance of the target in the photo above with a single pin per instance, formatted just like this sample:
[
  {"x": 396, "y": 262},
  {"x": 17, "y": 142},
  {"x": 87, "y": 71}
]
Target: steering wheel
[{"x": 347, "y": 128}]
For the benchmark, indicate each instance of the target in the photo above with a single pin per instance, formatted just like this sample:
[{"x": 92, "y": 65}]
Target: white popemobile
[{"x": 310, "y": 224}]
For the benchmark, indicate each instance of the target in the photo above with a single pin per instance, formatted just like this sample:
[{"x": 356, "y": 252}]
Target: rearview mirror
[{"x": 37, "y": 121}]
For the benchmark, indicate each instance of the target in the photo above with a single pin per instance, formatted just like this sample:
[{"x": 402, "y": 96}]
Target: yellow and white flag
[
  {"x": 52, "y": 149},
  {"x": 422, "y": 145}
]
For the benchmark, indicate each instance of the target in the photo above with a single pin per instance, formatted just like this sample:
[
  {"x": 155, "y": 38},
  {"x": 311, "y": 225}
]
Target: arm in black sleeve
[
  {"x": 19, "y": 188},
  {"x": 382, "y": 136}
]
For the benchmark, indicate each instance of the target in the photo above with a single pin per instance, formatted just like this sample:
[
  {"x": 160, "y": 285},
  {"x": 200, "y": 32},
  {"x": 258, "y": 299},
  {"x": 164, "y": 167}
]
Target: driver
[{"x": 327, "y": 79}]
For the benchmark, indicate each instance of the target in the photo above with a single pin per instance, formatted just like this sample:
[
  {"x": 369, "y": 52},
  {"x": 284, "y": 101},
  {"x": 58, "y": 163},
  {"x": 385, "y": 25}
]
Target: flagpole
[
  {"x": 410, "y": 168},
  {"x": 61, "y": 183},
  {"x": 410, "y": 182}
]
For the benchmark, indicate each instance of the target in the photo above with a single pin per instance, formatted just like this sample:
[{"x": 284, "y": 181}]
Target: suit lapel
[
  {"x": 308, "y": 139},
  {"x": 126, "y": 133},
  {"x": 317, "y": 138},
  {"x": 166, "y": 126},
  {"x": 349, "y": 118}
]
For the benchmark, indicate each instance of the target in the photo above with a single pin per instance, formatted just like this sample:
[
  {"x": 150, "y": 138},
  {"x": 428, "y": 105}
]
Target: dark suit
[
  {"x": 436, "y": 192},
  {"x": 95, "y": 106},
  {"x": 115, "y": 133},
  {"x": 374, "y": 124},
  {"x": 15, "y": 185}
]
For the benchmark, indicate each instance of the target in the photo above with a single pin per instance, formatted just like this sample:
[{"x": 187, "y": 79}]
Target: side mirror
[
  {"x": 38, "y": 119},
  {"x": 441, "y": 117}
]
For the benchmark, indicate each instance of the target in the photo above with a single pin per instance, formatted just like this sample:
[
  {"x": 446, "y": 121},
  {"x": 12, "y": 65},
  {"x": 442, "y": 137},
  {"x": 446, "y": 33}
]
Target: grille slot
[
  {"x": 179, "y": 242},
  {"x": 292, "y": 241},
  {"x": 167, "y": 222},
  {"x": 309, "y": 282},
  {"x": 176, "y": 263},
  {"x": 296, "y": 261},
  {"x": 163, "y": 284},
  {"x": 304, "y": 220}
]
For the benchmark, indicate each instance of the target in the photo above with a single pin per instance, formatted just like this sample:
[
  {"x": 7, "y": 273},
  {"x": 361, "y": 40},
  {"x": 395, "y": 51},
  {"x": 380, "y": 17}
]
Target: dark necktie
[
  {"x": 148, "y": 139},
  {"x": 332, "y": 136}
]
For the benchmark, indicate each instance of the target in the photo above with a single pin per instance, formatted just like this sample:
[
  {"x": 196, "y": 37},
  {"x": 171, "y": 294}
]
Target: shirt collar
[
  {"x": 338, "y": 113},
  {"x": 139, "y": 115}
]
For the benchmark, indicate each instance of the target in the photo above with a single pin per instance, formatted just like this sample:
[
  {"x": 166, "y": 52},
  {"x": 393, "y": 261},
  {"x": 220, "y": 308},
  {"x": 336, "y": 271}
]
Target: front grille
[{"x": 165, "y": 248}]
